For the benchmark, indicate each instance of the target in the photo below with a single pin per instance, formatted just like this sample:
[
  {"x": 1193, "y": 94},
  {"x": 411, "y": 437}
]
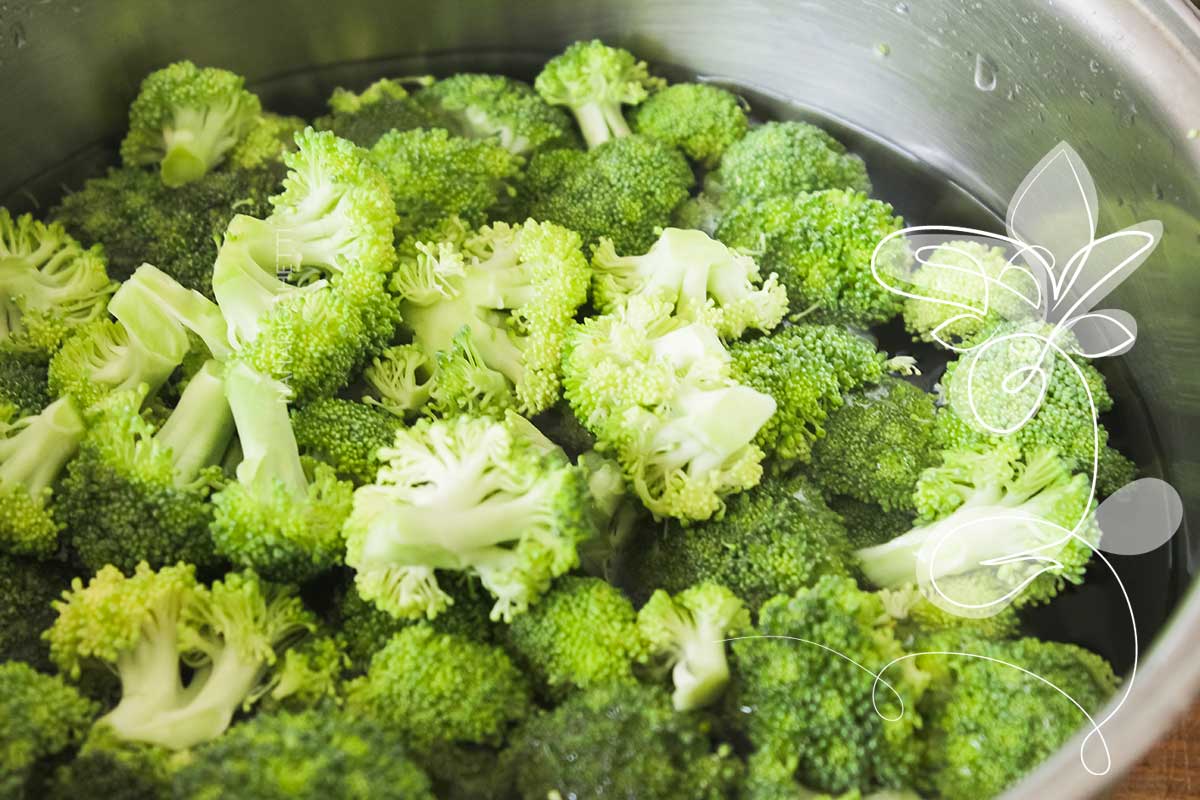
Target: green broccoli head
[
  {"x": 345, "y": 434},
  {"x": 441, "y": 688},
  {"x": 27, "y": 589},
  {"x": 49, "y": 285},
  {"x": 807, "y": 692},
  {"x": 313, "y": 754},
  {"x": 543, "y": 173},
  {"x": 40, "y": 715},
  {"x": 620, "y": 740},
  {"x": 594, "y": 81},
  {"x": 877, "y": 444},
  {"x": 867, "y": 524},
  {"x": 270, "y": 138},
  {"x": 701, "y": 120},
  {"x": 111, "y": 767},
  {"x": 384, "y": 106},
  {"x": 625, "y": 190},
  {"x": 779, "y": 537},
  {"x": 582, "y": 634},
  {"x": 24, "y": 383},
  {"x": 187, "y": 119},
  {"x": 821, "y": 245}
]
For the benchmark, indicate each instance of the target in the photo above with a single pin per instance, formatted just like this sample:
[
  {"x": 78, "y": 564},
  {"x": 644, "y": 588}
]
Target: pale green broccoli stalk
[
  {"x": 594, "y": 81},
  {"x": 687, "y": 633},
  {"x": 657, "y": 393},
  {"x": 187, "y": 119},
  {"x": 441, "y": 688},
  {"x": 877, "y": 444},
  {"x": 465, "y": 495},
  {"x": 145, "y": 626},
  {"x": 975, "y": 513},
  {"x": 270, "y": 138},
  {"x": 707, "y": 281},
  {"x": 582, "y": 634},
  {"x": 40, "y": 716},
  {"x": 434, "y": 175},
  {"x": 278, "y": 517},
  {"x": 821, "y": 245},
  {"x": 494, "y": 311},
  {"x": 345, "y": 434},
  {"x": 701, "y": 120},
  {"x": 188, "y": 307},
  {"x": 49, "y": 284},
  {"x": 402, "y": 379},
  {"x": 503, "y": 109},
  {"x": 134, "y": 494},
  {"x": 33, "y": 451}
]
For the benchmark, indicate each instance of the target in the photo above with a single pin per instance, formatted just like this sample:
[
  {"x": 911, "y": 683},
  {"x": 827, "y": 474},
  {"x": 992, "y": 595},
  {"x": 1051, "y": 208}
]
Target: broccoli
[
  {"x": 201, "y": 317},
  {"x": 434, "y": 175},
  {"x": 147, "y": 625},
  {"x": 543, "y": 173},
  {"x": 981, "y": 506},
  {"x": 867, "y": 524},
  {"x": 594, "y": 80},
  {"x": 281, "y": 516},
  {"x": 49, "y": 284},
  {"x": 24, "y": 382},
  {"x": 505, "y": 110},
  {"x": 921, "y": 623},
  {"x": 657, "y": 392},
  {"x": 776, "y": 538},
  {"x": 494, "y": 310},
  {"x": 620, "y": 740},
  {"x": 701, "y": 120},
  {"x": 877, "y": 444},
  {"x": 311, "y": 755},
  {"x": 177, "y": 229},
  {"x": 705, "y": 280},
  {"x": 465, "y": 495},
  {"x": 806, "y": 369},
  {"x": 402, "y": 379},
  {"x": 187, "y": 119},
  {"x": 700, "y": 213},
  {"x": 115, "y": 769},
  {"x": 135, "y": 494},
  {"x": 625, "y": 189},
  {"x": 988, "y": 723},
  {"x": 346, "y": 101},
  {"x": 807, "y": 694},
  {"x": 821, "y": 245},
  {"x": 441, "y": 688},
  {"x": 27, "y": 589},
  {"x": 582, "y": 634},
  {"x": 687, "y": 633},
  {"x": 268, "y": 140},
  {"x": 40, "y": 715},
  {"x": 33, "y": 451},
  {"x": 308, "y": 676},
  {"x": 384, "y": 106},
  {"x": 344, "y": 434}
]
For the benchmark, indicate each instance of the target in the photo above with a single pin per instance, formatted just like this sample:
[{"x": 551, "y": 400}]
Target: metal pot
[{"x": 977, "y": 91}]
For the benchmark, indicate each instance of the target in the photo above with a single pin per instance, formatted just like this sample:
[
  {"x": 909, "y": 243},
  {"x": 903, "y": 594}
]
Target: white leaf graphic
[
  {"x": 1102, "y": 334},
  {"x": 1097, "y": 269}
]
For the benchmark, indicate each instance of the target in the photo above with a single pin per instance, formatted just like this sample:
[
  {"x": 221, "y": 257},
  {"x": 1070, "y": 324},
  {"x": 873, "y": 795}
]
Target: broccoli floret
[
  {"x": 402, "y": 379},
  {"x": 269, "y": 139},
  {"x": 877, "y": 444},
  {"x": 783, "y": 159},
  {"x": 621, "y": 740},
  {"x": 136, "y": 494},
  {"x": 921, "y": 624},
  {"x": 500, "y": 108},
  {"x": 347, "y": 101},
  {"x": 146, "y": 625},
  {"x": 383, "y": 107},
  {"x": 441, "y": 688},
  {"x": 705, "y": 280},
  {"x": 541, "y": 176},
  {"x": 345, "y": 434},
  {"x": 27, "y": 588},
  {"x": 33, "y": 451},
  {"x": 40, "y": 715},
  {"x": 657, "y": 393},
  {"x": 150, "y": 286},
  {"x": 776, "y": 538},
  {"x": 494, "y": 310},
  {"x": 867, "y": 524},
  {"x": 701, "y": 120},
  {"x": 582, "y": 634},
  {"x": 981, "y": 506},
  {"x": 24, "y": 382},
  {"x": 806, "y": 369},
  {"x": 305, "y": 756},
  {"x": 988, "y": 723},
  {"x": 308, "y": 676},
  {"x": 700, "y": 213},
  {"x": 625, "y": 189},
  {"x": 115, "y": 769},
  {"x": 281, "y": 516},
  {"x": 138, "y": 220},
  {"x": 187, "y": 119},
  {"x": 807, "y": 692},
  {"x": 49, "y": 284},
  {"x": 594, "y": 80},
  {"x": 465, "y": 495},
  {"x": 687, "y": 634},
  {"x": 434, "y": 175},
  {"x": 821, "y": 245}
]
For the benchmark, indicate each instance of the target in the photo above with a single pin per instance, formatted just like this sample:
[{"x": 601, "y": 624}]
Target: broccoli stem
[
  {"x": 600, "y": 122},
  {"x": 702, "y": 671},
  {"x": 270, "y": 455},
  {"x": 200, "y": 428},
  {"x": 149, "y": 673},
  {"x": 36, "y": 454},
  {"x": 195, "y": 142},
  {"x": 190, "y": 308}
]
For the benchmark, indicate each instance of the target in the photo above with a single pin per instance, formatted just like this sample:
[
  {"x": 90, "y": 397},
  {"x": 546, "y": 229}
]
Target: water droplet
[
  {"x": 1094, "y": 65},
  {"x": 18, "y": 36},
  {"x": 985, "y": 74},
  {"x": 901, "y": 8},
  {"x": 1087, "y": 97},
  {"x": 883, "y": 49}
]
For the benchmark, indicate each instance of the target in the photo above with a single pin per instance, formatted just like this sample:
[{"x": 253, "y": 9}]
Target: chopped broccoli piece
[
  {"x": 308, "y": 676},
  {"x": 345, "y": 434},
  {"x": 40, "y": 715},
  {"x": 500, "y": 108},
  {"x": 402, "y": 379},
  {"x": 701, "y": 120},
  {"x": 187, "y": 119},
  {"x": 269, "y": 139},
  {"x": 594, "y": 80}
]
